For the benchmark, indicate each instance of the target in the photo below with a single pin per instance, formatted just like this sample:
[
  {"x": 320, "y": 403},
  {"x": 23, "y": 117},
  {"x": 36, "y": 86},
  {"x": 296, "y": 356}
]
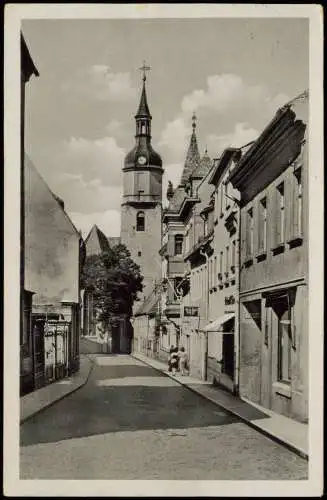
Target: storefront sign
[{"x": 191, "y": 311}]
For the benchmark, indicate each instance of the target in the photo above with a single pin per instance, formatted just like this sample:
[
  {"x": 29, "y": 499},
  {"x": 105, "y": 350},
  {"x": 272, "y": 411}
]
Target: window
[
  {"x": 139, "y": 253},
  {"x": 233, "y": 257},
  {"x": 283, "y": 311},
  {"x": 215, "y": 271},
  {"x": 220, "y": 265},
  {"x": 227, "y": 261},
  {"x": 205, "y": 225},
  {"x": 298, "y": 204},
  {"x": 178, "y": 244},
  {"x": 226, "y": 195},
  {"x": 221, "y": 199},
  {"x": 263, "y": 225},
  {"x": 280, "y": 214},
  {"x": 249, "y": 234},
  {"x": 140, "y": 221}
]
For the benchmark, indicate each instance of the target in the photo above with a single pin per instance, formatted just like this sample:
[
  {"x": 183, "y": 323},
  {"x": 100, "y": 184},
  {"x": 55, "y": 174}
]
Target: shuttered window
[
  {"x": 262, "y": 229},
  {"x": 249, "y": 233},
  {"x": 298, "y": 206},
  {"x": 280, "y": 209}
]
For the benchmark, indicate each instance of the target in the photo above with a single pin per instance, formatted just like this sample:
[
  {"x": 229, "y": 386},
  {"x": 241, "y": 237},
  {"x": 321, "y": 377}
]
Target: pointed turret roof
[
  {"x": 143, "y": 109},
  {"x": 192, "y": 157},
  {"x": 203, "y": 166},
  {"x": 96, "y": 242}
]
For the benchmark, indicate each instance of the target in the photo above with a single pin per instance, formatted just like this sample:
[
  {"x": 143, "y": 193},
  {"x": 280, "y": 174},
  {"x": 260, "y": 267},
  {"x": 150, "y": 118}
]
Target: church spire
[
  {"x": 193, "y": 155},
  {"x": 143, "y": 110}
]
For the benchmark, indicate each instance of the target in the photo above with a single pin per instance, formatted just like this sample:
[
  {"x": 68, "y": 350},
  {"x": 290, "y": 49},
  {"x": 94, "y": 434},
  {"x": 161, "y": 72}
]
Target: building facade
[
  {"x": 141, "y": 208},
  {"x": 54, "y": 253},
  {"x": 272, "y": 178}
]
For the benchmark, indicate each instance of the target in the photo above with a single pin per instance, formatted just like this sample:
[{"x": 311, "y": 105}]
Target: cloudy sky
[{"x": 234, "y": 73}]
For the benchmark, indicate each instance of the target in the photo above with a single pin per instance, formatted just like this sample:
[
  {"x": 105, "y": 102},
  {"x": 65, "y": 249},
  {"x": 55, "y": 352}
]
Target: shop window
[
  {"x": 178, "y": 244},
  {"x": 140, "y": 221}
]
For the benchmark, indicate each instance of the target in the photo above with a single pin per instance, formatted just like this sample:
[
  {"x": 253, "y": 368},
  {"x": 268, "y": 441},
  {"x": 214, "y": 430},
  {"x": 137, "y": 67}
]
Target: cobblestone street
[{"x": 131, "y": 422}]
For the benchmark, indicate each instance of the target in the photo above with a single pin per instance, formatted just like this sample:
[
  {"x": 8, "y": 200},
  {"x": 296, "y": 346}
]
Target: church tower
[{"x": 141, "y": 208}]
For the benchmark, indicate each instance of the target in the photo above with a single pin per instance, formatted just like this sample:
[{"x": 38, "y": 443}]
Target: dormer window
[{"x": 140, "y": 221}]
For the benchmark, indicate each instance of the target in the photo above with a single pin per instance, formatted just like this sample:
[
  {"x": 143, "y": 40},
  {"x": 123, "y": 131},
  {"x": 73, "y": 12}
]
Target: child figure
[{"x": 183, "y": 360}]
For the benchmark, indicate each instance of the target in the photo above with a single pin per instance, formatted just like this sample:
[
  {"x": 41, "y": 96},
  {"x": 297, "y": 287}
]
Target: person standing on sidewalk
[
  {"x": 174, "y": 360},
  {"x": 183, "y": 360},
  {"x": 170, "y": 351}
]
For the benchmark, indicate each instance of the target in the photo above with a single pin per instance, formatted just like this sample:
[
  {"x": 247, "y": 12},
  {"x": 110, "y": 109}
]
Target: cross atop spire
[{"x": 144, "y": 68}]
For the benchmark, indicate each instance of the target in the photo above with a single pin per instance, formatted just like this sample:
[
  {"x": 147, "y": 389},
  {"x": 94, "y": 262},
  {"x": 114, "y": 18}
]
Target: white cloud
[
  {"x": 113, "y": 126},
  {"x": 87, "y": 196},
  {"x": 228, "y": 103},
  {"x": 95, "y": 159},
  {"x": 101, "y": 83},
  {"x": 224, "y": 92},
  {"x": 241, "y": 135},
  {"x": 108, "y": 221}
]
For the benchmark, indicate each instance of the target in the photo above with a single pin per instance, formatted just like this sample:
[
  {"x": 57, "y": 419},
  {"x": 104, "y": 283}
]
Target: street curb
[
  {"x": 269, "y": 435},
  {"x": 63, "y": 396}
]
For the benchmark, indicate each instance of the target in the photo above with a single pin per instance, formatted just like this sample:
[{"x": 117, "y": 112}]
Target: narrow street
[{"x": 131, "y": 422}]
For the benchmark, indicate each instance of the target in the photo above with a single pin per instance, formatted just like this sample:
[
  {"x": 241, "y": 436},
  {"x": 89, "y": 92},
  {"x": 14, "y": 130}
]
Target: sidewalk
[
  {"x": 286, "y": 431},
  {"x": 38, "y": 400}
]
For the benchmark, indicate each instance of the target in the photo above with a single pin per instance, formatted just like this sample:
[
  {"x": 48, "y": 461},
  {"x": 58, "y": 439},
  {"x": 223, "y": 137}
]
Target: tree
[{"x": 114, "y": 281}]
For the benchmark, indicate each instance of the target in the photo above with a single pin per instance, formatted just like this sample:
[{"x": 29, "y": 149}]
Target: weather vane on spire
[{"x": 144, "y": 68}]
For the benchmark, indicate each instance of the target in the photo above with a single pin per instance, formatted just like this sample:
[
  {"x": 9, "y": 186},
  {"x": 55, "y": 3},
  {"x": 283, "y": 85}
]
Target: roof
[
  {"x": 28, "y": 67},
  {"x": 192, "y": 157},
  {"x": 203, "y": 167},
  {"x": 143, "y": 109},
  {"x": 96, "y": 242},
  {"x": 176, "y": 201},
  {"x": 289, "y": 110},
  {"x": 150, "y": 303},
  {"x": 29, "y": 165}
]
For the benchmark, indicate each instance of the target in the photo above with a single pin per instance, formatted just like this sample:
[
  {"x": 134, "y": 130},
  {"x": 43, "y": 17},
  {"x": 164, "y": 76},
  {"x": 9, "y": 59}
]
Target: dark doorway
[{"x": 228, "y": 348}]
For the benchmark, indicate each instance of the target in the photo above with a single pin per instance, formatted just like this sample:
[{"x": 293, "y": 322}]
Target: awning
[{"x": 215, "y": 325}]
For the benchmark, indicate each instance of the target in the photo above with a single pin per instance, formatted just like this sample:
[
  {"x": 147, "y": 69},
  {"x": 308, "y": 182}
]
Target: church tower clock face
[{"x": 141, "y": 160}]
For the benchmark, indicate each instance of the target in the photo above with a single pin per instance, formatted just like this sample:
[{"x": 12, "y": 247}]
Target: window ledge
[
  {"x": 296, "y": 241},
  {"x": 283, "y": 389},
  {"x": 261, "y": 255},
  {"x": 278, "y": 248}
]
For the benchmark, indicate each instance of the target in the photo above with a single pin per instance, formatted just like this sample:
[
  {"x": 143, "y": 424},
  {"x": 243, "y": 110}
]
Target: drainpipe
[
  {"x": 205, "y": 370},
  {"x": 238, "y": 307}
]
